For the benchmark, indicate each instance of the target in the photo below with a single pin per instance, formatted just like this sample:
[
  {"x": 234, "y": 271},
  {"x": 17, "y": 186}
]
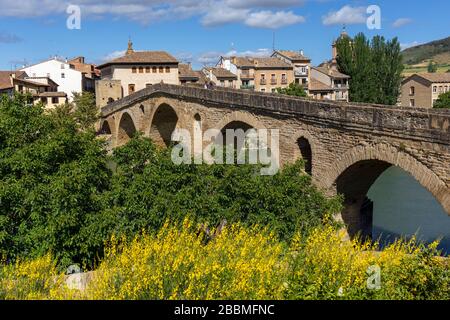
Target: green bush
[{"x": 61, "y": 193}]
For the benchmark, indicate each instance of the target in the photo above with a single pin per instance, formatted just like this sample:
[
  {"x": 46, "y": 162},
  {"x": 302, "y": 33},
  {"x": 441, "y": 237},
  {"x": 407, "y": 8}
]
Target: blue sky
[{"x": 199, "y": 31}]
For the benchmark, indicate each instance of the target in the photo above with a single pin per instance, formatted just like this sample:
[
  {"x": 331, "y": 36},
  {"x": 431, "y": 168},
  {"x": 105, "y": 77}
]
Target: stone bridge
[{"x": 346, "y": 146}]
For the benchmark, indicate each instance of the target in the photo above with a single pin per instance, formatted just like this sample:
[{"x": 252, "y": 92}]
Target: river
[{"x": 403, "y": 207}]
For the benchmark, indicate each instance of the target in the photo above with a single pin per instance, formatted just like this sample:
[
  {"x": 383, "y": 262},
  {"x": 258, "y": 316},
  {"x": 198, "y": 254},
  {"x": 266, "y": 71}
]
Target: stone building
[
  {"x": 259, "y": 74},
  {"x": 40, "y": 89},
  {"x": 135, "y": 71},
  {"x": 327, "y": 83},
  {"x": 423, "y": 89},
  {"x": 189, "y": 76},
  {"x": 299, "y": 61},
  {"x": 220, "y": 77}
]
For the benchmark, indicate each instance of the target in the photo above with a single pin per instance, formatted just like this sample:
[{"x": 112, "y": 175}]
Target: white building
[{"x": 61, "y": 72}]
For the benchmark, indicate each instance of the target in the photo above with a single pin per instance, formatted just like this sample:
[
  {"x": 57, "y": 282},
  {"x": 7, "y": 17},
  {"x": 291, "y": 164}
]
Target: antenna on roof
[{"x": 273, "y": 41}]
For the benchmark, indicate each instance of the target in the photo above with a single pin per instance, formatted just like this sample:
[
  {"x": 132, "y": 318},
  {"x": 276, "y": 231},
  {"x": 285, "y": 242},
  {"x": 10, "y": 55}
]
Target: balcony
[
  {"x": 247, "y": 76},
  {"x": 248, "y": 87},
  {"x": 273, "y": 81},
  {"x": 298, "y": 72},
  {"x": 340, "y": 86},
  {"x": 284, "y": 81},
  {"x": 263, "y": 81}
]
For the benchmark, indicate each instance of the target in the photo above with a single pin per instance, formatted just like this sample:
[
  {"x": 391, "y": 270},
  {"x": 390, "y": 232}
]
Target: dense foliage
[
  {"x": 241, "y": 263},
  {"x": 61, "y": 193},
  {"x": 294, "y": 89},
  {"x": 375, "y": 68},
  {"x": 443, "y": 102}
]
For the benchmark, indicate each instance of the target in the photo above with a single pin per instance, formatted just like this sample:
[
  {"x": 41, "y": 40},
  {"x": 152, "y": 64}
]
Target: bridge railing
[{"x": 431, "y": 123}]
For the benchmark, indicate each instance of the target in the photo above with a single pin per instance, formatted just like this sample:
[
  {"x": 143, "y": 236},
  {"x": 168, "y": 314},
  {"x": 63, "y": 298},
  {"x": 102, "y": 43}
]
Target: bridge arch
[
  {"x": 126, "y": 128},
  {"x": 304, "y": 146},
  {"x": 355, "y": 172},
  {"x": 240, "y": 117},
  {"x": 106, "y": 127},
  {"x": 163, "y": 123}
]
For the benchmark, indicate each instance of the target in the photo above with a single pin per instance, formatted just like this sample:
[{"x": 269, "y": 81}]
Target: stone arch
[
  {"x": 163, "y": 123},
  {"x": 126, "y": 128},
  {"x": 310, "y": 154},
  {"x": 105, "y": 128},
  {"x": 354, "y": 173},
  {"x": 304, "y": 146},
  {"x": 239, "y": 116}
]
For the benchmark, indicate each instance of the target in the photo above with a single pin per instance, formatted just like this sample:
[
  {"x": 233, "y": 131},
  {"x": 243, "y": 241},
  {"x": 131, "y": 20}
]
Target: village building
[
  {"x": 134, "y": 71},
  {"x": 423, "y": 89}
]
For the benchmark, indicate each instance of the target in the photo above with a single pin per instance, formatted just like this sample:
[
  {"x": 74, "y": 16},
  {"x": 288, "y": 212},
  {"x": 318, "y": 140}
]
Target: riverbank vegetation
[
  {"x": 147, "y": 227},
  {"x": 241, "y": 262}
]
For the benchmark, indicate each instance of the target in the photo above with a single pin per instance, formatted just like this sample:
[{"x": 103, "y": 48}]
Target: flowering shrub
[{"x": 241, "y": 263}]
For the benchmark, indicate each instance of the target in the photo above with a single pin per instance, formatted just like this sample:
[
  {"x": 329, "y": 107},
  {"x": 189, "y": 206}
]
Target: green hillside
[{"x": 438, "y": 51}]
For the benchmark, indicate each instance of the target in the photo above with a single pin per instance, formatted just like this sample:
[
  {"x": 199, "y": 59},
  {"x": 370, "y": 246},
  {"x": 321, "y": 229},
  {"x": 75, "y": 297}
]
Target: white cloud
[
  {"x": 210, "y": 12},
  {"x": 212, "y": 57},
  {"x": 346, "y": 15},
  {"x": 9, "y": 38},
  {"x": 404, "y": 46},
  {"x": 401, "y": 22},
  {"x": 273, "y": 20},
  {"x": 114, "y": 55}
]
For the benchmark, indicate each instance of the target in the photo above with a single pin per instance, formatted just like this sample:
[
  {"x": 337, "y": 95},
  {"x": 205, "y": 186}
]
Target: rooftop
[
  {"x": 433, "y": 77},
  {"x": 293, "y": 55},
  {"x": 141, "y": 57},
  {"x": 221, "y": 73},
  {"x": 5, "y": 78}
]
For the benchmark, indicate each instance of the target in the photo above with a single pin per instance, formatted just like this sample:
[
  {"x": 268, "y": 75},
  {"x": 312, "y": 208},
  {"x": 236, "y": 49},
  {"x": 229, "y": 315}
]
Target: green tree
[
  {"x": 432, "y": 67},
  {"x": 294, "y": 89},
  {"x": 374, "y": 66},
  {"x": 443, "y": 102},
  {"x": 85, "y": 109}
]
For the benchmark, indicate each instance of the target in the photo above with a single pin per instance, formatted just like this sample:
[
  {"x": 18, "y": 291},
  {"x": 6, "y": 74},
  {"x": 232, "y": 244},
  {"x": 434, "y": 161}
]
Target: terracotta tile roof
[
  {"x": 140, "y": 57},
  {"x": 5, "y": 78},
  {"x": 243, "y": 62},
  {"x": 331, "y": 72},
  {"x": 271, "y": 62},
  {"x": 185, "y": 72},
  {"x": 221, "y": 73},
  {"x": 293, "y": 55},
  {"x": 435, "y": 77},
  {"x": 316, "y": 85}
]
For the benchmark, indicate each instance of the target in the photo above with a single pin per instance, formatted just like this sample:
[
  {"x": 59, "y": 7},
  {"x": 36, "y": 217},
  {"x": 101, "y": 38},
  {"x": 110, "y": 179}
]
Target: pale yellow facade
[{"x": 422, "y": 90}]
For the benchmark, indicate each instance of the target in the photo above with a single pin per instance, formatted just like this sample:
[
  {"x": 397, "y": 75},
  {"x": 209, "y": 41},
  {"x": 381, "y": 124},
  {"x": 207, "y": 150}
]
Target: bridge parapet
[{"x": 429, "y": 124}]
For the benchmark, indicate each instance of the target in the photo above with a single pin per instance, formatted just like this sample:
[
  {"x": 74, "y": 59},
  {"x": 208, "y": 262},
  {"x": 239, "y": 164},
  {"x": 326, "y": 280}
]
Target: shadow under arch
[
  {"x": 354, "y": 173},
  {"x": 163, "y": 124},
  {"x": 126, "y": 130}
]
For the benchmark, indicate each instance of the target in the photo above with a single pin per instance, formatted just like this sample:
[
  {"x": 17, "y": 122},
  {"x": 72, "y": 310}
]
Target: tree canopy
[
  {"x": 375, "y": 68},
  {"x": 443, "y": 102},
  {"x": 294, "y": 89}
]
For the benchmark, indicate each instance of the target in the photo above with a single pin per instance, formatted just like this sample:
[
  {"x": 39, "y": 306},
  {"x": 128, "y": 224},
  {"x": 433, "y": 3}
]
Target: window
[
  {"x": 230, "y": 83},
  {"x": 274, "y": 90},
  {"x": 161, "y": 69},
  {"x": 44, "y": 100},
  {"x": 222, "y": 83},
  {"x": 48, "y": 75},
  {"x": 412, "y": 91},
  {"x": 62, "y": 66},
  {"x": 131, "y": 88},
  {"x": 434, "y": 89},
  {"x": 154, "y": 69},
  {"x": 412, "y": 103},
  {"x": 147, "y": 69},
  {"x": 63, "y": 75},
  {"x": 148, "y": 85},
  {"x": 134, "y": 70},
  {"x": 263, "y": 90},
  {"x": 55, "y": 100},
  {"x": 167, "y": 69},
  {"x": 440, "y": 88},
  {"x": 20, "y": 88},
  {"x": 445, "y": 88}
]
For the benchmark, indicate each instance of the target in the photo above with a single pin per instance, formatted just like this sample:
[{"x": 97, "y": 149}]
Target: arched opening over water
[
  {"x": 403, "y": 207},
  {"x": 368, "y": 184},
  {"x": 163, "y": 124},
  {"x": 306, "y": 153},
  {"x": 127, "y": 129}
]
